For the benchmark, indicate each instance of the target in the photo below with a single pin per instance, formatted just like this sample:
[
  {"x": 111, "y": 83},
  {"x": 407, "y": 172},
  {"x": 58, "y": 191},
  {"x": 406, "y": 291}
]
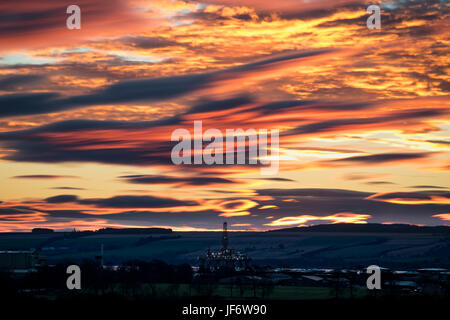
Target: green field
[
  {"x": 294, "y": 249},
  {"x": 162, "y": 290}
]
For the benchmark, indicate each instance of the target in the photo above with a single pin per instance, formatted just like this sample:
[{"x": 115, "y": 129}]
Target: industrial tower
[
  {"x": 224, "y": 237},
  {"x": 214, "y": 260}
]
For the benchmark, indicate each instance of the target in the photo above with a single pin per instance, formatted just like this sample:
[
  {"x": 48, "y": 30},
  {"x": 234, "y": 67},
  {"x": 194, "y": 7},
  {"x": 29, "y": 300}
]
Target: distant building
[
  {"x": 224, "y": 258},
  {"x": 19, "y": 261}
]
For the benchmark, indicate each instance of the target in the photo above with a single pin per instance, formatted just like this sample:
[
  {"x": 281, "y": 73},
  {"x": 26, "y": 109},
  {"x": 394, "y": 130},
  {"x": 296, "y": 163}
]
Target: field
[
  {"x": 290, "y": 249},
  {"x": 222, "y": 291}
]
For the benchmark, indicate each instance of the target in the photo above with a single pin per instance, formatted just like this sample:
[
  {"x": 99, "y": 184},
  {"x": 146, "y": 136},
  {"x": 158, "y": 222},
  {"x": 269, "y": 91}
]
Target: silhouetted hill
[
  {"x": 134, "y": 231},
  {"x": 369, "y": 227}
]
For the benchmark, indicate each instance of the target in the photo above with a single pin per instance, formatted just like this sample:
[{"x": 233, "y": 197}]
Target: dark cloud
[
  {"x": 330, "y": 125},
  {"x": 444, "y": 142},
  {"x": 148, "y": 42},
  {"x": 62, "y": 198},
  {"x": 277, "y": 179},
  {"x": 218, "y": 105},
  {"x": 47, "y": 152},
  {"x": 169, "y": 87},
  {"x": 29, "y": 103},
  {"x": 323, "y": 202},
  {"x": 42, "y": 176},
  {"x": 444, "y": 86},
  {"x": 36, "y": 144},
  {"x": 136, "y": 202},
  {"x": 276, "y": 106},
  {"x": 427, "y": 187},
  {"x": 192, "y": 181},
  {"x": 359, "y": 176},
  {"x": 418, "y": 195},
  {"x": 313, "y": 201},
  {"x": 67, "y": 215},
  {"x": 32, "y": 146},
  {"x": 379, "y": 182},
  {"x": 384, "y": 157},
  {"x": 26, "y": 21},
  {"x": 320, "y": 13},
  {"x": 155, "y": 89},
  {"x": 199, "y": 219},
  {"x": 316, "y": 193},
  {"x": 128, "y": 201},
  {"x": 14, "y": 210},
  {"x": 265, "y": 11},
  {"x": 218, "y": 17},
  {"x": 67, "y": 188},
  {"x": 359, "y": 21},
  {"x": 15, "y": 82}
]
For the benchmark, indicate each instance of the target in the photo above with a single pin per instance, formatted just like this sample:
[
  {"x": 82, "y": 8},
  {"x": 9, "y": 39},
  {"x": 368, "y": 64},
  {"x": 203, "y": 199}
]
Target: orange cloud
[
  {"x": 342, "y": 217},
  {"x": 281, "y": 5},
  {"x": 409, "y": 198},
  {"x": 234, "y": 214},
  {"x": 232, "y": 206},
  {"x": 442, "y": 216},
  {"x": 32, "y": 21}
]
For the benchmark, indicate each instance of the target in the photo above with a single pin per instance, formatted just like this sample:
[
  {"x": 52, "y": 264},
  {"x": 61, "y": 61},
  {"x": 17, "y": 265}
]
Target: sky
[{"x": 86, "y": 116}]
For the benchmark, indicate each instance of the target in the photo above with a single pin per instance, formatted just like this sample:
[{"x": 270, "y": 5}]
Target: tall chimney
[{"x": 225, "y": 237}]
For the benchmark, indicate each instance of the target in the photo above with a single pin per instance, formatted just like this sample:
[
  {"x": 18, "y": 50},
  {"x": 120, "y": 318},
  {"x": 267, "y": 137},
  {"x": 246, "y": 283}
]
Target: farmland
[{"x": 289, "y": 249}]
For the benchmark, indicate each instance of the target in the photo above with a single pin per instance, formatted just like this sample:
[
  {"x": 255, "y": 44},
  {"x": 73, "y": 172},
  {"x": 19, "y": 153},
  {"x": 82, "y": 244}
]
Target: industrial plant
[{"x": 223, "y": 258}]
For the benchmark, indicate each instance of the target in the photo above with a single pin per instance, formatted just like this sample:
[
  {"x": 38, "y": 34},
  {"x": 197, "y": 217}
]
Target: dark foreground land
[
  {"x": 135, "y": 282},
  {"x": 113, "y": 308},
  {"x": 398, "y": 247}
]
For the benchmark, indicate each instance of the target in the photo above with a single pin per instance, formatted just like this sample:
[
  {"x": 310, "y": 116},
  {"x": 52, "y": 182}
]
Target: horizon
[{"x": 235, "y": 230}]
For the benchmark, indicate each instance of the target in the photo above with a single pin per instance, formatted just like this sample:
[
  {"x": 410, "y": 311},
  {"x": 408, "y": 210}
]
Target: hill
[{"x": 368, "y": 228}]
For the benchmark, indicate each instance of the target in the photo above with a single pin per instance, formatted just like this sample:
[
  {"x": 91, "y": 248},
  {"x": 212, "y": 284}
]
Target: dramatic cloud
[
  {"x": 384, "y": 157},
  {"x": 28, "y": 22},
  {"x": 419, "y": 197},
  {"x": 62, "y": 199},
  {"x": 328, "y": 204},
  {"x": 283, "y": 5},
  {"x": 189, "y": 181},
  {"x": 15, "y": 82},
  {"x": 136, "y": 202},
  {"x": 363, "y": 115},
  {"x": 331, "y": 125},
  {"x": 42, "y": 176},
  {"x": 156, "y": 89},
  {"x": 273, "y": 208}
]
